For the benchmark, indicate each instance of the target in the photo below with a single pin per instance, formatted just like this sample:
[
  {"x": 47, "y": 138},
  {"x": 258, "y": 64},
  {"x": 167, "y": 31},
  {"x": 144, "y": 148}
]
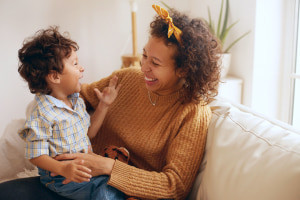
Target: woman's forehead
[{"x": 156, "y": 47}]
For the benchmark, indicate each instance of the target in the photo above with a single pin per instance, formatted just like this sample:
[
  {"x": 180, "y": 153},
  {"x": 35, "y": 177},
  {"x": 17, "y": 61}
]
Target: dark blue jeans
[
  {"x": 95, "y": 189},
  {"x": 27, "y": 189}
]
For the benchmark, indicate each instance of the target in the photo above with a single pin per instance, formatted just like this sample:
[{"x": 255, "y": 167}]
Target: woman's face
[{"x": 158, "y": 66}]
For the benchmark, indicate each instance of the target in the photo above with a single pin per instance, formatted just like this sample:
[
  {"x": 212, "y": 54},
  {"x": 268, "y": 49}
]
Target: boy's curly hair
[
  {"x": 42, "y": 54},
  {"x": 197, "y": 55}
]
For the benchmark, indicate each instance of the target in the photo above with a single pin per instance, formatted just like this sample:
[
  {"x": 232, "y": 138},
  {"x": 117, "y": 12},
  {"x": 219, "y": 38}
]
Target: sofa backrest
[{"x": 248, "y": 157}]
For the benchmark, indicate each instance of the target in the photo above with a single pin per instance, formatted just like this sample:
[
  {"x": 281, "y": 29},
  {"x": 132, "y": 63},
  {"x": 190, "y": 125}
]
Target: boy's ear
[{"x": 53, "y": 77}]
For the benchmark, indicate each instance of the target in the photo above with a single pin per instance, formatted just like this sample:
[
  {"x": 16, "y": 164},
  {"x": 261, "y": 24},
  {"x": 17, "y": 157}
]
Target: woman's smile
[{"x": 150, "y": 81}]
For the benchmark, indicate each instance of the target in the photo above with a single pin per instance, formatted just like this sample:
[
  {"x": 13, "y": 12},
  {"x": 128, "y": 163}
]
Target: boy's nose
[{"x": 81, "y": 69}]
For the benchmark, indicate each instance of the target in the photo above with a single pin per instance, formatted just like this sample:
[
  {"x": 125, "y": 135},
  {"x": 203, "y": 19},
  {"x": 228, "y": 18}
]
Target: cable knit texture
[{"x": 166, "y": 141}]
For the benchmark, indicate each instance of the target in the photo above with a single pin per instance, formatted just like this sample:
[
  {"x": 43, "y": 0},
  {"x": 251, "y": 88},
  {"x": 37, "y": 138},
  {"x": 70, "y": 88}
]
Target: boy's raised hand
[{"x": 109, "y": 94}]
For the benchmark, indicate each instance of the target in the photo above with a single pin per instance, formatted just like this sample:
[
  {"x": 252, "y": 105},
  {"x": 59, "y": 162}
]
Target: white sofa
[{"x": 248, "y": 157}]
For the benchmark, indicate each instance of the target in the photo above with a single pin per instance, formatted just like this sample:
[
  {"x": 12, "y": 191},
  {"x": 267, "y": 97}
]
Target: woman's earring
[{"x": 186, "y": 85}]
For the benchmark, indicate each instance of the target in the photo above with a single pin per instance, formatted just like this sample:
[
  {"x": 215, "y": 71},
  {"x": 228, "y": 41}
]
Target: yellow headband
[{"x": 172, "y": 28}]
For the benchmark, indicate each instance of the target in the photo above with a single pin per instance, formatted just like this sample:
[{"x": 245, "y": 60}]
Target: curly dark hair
[
  {"x": 42, "y": 53},
  {"x": 197, "y": 55}
]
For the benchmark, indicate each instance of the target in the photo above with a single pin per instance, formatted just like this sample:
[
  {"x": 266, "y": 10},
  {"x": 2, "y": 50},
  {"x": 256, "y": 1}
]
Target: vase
[{"x": 224, "y": 61}]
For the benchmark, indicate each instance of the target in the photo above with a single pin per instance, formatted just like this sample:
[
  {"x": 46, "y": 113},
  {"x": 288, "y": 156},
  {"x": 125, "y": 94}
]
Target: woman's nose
[{"x": 144, "y": 66}]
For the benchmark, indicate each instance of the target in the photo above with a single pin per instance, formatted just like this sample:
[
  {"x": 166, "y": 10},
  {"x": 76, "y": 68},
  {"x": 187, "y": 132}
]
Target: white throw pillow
[
  {"x": 12, "y": 149},
  {"x": 248, "y": 157}
]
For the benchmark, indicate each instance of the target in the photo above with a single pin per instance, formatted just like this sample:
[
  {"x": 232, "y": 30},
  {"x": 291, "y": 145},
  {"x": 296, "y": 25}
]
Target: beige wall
[{"x": 102, "y": 29}]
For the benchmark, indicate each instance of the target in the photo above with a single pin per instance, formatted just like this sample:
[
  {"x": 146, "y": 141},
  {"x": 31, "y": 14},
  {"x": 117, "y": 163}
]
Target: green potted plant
[{"x": 221, "y": 31}]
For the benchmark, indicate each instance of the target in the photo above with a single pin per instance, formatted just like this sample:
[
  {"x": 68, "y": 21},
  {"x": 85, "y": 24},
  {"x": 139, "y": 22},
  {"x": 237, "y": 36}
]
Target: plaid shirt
[{"x": 53, "y": 128}]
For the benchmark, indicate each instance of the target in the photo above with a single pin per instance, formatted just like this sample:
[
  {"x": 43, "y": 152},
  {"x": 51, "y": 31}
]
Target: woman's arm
[
  {"x": 74, "y": 171},
  {"x": 182, "y": 162},
  {"x": 98, "y": 164}
]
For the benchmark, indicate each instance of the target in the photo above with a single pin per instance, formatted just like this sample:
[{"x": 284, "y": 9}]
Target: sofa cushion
[
  {"x": 248, "y": 156},
  {"x": 12, "y": 149}
]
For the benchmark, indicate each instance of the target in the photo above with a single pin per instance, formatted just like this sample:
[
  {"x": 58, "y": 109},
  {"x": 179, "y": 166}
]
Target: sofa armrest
[{"x": 248, "y": 156}]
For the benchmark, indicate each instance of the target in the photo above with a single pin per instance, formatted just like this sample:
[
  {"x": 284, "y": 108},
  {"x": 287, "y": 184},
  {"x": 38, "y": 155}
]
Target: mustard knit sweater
[{"x": 166, "y": 141}]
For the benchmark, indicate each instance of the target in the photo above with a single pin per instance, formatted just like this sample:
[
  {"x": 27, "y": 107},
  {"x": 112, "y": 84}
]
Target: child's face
[{"x": 71, "y": 74}]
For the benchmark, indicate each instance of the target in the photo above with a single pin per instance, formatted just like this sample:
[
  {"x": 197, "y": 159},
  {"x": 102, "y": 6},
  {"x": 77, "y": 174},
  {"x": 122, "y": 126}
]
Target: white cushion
[
  {"x": 12, "y": 149},
  {"x": 248, "y": 157}
]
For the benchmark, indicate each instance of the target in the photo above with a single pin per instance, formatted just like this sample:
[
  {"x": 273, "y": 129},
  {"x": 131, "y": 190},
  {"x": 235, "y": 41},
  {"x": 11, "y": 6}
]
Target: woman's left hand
[{"x": 98, "y": 164}]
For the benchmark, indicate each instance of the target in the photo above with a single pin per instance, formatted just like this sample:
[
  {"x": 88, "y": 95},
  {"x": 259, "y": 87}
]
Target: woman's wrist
[
  {"x": 110, "y": 165},
  {"x": 104, "y": 166}
]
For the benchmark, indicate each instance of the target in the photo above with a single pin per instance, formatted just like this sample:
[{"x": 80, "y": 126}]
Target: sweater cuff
[{"x": 120, "y": 175}]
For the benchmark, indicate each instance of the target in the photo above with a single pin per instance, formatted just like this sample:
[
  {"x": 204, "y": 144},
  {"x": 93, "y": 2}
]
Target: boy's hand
[
  {"x": 76, "y": 172},
  {"x": 109, "y": 94}
]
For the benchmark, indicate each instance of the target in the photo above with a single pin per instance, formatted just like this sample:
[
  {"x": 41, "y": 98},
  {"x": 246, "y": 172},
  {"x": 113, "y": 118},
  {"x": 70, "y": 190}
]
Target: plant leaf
[
  {"x": 220, "y": 19},
  {"x": 210, "y": 22},
  {"x": 166, "y": 5},
  {"x": 227, "y": 31},
  {"x": 234, "y": 42},
  {"x": 225, "y": 21}
]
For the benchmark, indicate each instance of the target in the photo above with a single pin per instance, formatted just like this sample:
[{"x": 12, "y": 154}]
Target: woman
[{"x": 161, "y": 114}]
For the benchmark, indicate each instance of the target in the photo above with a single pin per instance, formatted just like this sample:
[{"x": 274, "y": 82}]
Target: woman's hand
[{"x": 98, "y": 164}]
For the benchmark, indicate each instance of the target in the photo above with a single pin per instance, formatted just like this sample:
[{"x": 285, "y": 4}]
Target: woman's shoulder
[
  {"x": 129, "y": 75},
  {"x": 197, "y": 110},
  {"x": 128, "y": 72}
]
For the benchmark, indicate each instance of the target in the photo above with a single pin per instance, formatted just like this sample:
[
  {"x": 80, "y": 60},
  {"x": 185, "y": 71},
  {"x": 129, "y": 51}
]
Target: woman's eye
[
  {"x": 154, "y": 63},
  {"x": 144, "y": 56}
]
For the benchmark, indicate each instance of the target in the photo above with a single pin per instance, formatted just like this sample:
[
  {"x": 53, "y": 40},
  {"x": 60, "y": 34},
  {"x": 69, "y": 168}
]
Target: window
[{"x": 295, "y": 75}]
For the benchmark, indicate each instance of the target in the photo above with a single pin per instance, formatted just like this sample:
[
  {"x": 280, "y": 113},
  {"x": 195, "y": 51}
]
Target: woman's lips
[{"x": 150, "y": 81}]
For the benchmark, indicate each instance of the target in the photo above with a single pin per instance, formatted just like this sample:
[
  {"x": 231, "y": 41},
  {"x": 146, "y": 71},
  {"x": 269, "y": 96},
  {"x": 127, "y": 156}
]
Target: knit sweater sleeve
[{"x": 183, "y": 158}]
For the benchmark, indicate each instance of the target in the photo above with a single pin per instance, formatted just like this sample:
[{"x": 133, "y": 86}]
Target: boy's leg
[
  {"x": 103, "y": 191},
  {"x": 96, "y": 188}
]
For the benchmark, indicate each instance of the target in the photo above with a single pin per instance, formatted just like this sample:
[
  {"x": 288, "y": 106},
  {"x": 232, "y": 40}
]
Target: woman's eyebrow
[{"x": 154, "y": 58}]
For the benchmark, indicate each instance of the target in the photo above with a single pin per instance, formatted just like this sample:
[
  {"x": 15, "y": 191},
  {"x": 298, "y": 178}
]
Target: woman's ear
[
  {"x": 53, "y": 77},
  {"x": 181, "y": 73}
]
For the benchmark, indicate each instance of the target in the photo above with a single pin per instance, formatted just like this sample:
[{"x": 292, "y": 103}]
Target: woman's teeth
[{"x": 149, "y": 79}]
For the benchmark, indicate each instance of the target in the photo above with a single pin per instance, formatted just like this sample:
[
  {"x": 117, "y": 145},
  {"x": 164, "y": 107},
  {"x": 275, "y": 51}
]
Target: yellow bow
[{"x": 172, "y": 28}]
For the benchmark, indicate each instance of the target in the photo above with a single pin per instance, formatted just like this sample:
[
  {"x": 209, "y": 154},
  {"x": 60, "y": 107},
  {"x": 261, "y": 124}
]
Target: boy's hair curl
[{"x": 197, "y": 56}]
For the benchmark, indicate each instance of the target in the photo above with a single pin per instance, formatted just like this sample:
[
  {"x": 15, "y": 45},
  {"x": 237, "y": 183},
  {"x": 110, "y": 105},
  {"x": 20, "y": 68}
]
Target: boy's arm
[
  {"x": 97, "y": 119},
  {"x": 74, "y": 171},
  {"x": 106, "y": 98}
]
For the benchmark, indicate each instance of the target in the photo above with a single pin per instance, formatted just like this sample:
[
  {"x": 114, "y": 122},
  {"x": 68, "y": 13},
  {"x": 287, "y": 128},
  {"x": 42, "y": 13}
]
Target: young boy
[{"x": 59, "y": 122}]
